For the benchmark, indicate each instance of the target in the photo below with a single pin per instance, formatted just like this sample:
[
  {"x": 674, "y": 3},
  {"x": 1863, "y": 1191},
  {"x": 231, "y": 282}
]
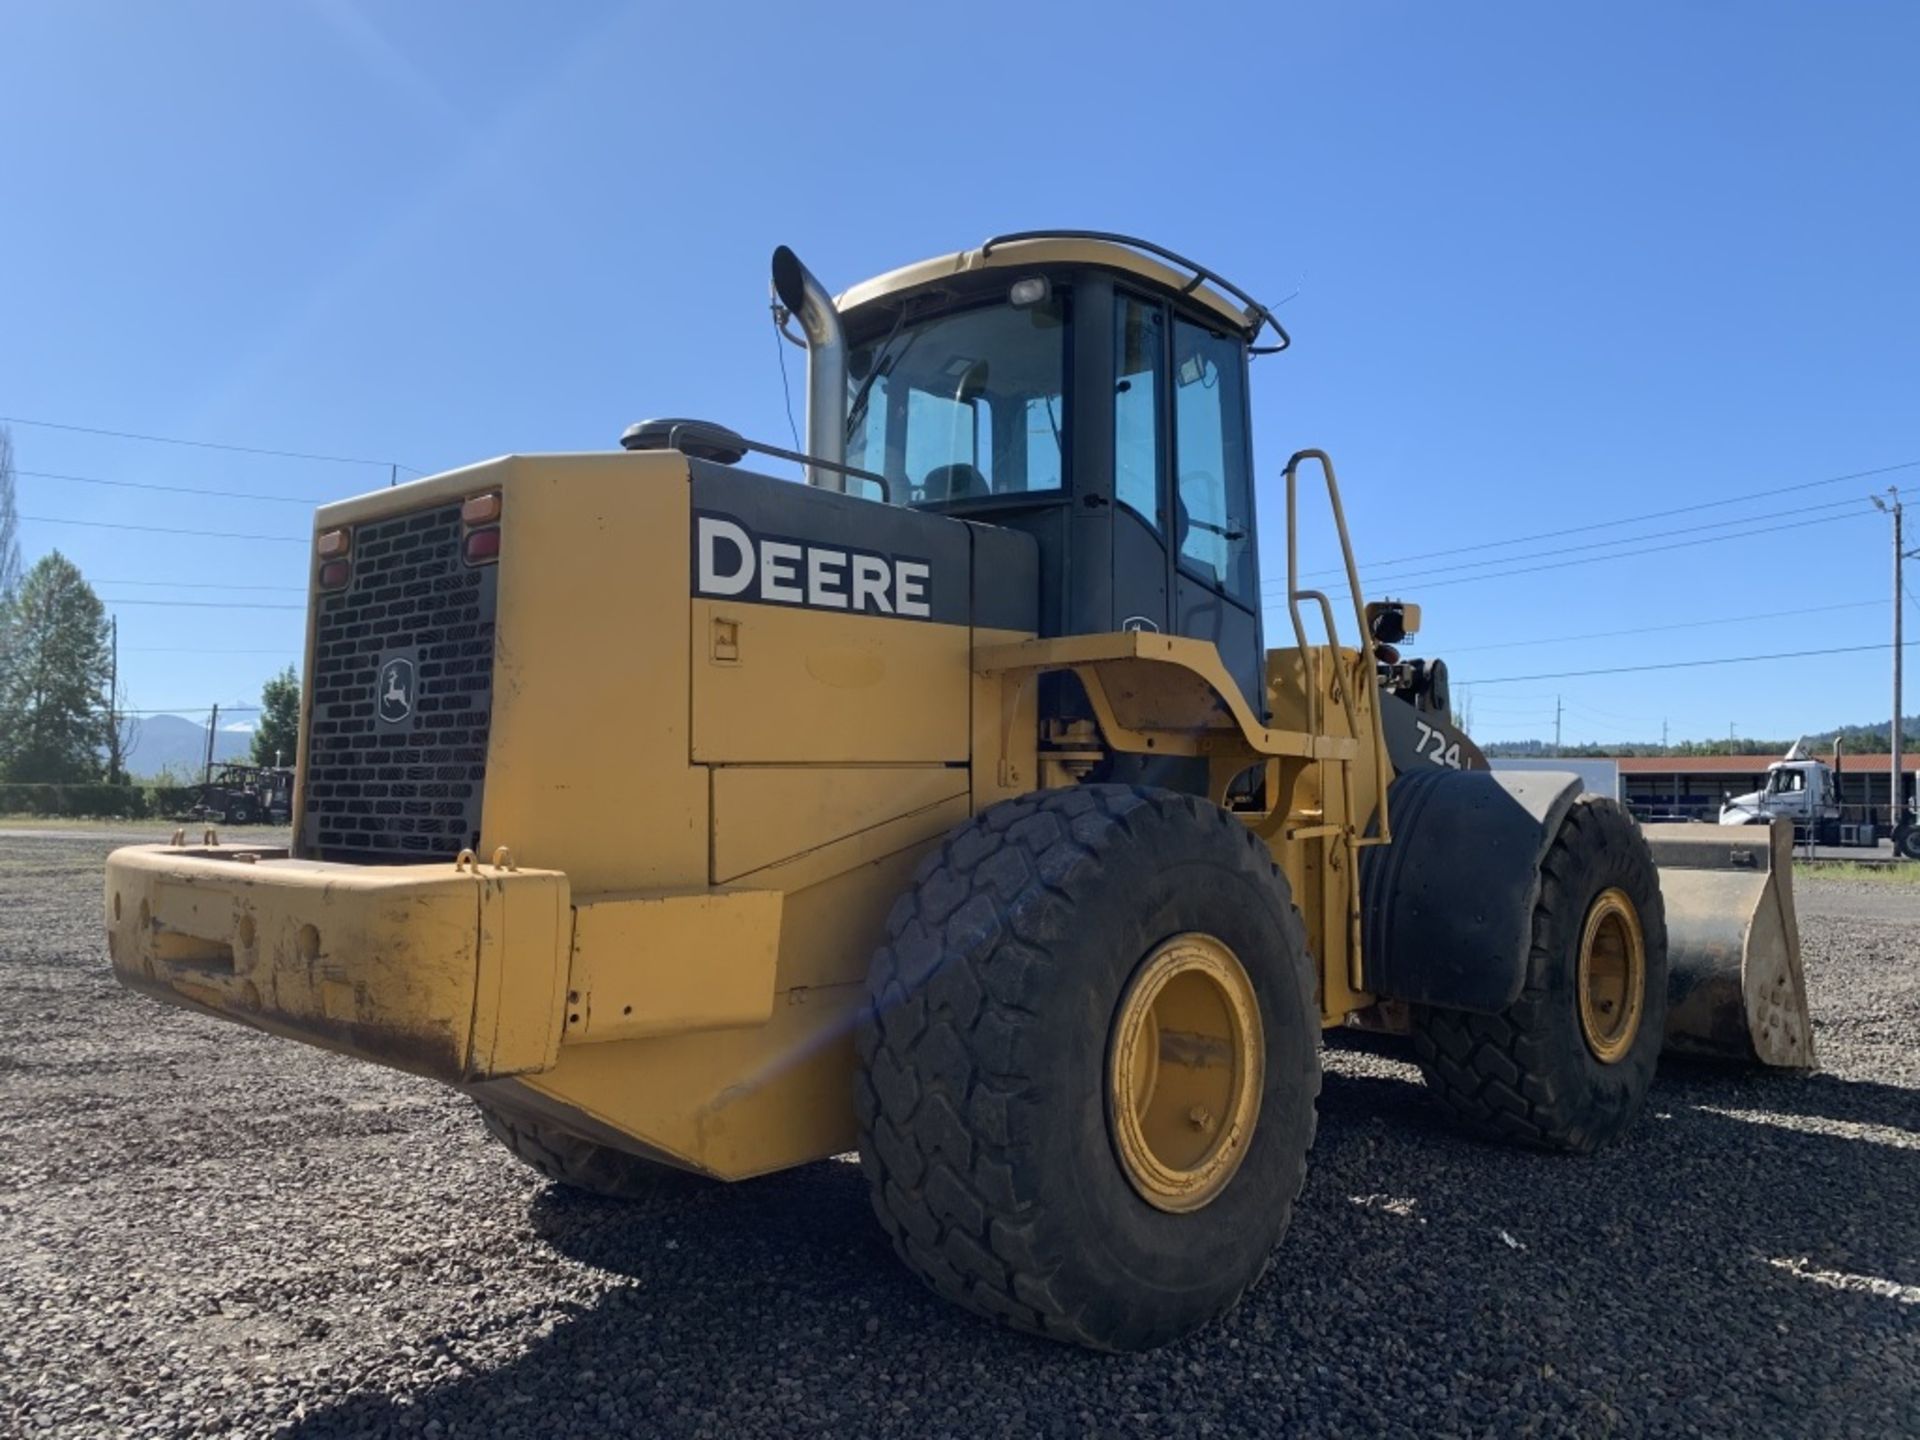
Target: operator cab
[{"x": 1091, "y": 391}]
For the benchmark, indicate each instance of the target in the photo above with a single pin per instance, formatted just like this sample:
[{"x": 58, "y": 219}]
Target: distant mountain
[
  {"x": 178, "y": 745},
  {"x": 1865, "y": 739}
]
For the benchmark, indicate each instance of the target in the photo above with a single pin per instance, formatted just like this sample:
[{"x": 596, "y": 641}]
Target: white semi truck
[{"x": 1806, "y": 790}]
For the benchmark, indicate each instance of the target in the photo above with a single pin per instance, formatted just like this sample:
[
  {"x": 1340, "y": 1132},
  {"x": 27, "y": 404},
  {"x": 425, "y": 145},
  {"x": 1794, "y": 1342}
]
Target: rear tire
[
  {"x": 568, "y": 1159},
  {"x": 1002, "y": 1161},
  {"x": 1906, "y": 843},
  {"x": 1537, "y": 1073}
]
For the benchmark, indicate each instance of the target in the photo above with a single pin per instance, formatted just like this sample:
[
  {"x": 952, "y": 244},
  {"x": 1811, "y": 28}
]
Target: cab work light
[
  {"x": 1030, "y": 291},
  {"x": 332, "y": 542},
  {"x": 481, "y": 509}
]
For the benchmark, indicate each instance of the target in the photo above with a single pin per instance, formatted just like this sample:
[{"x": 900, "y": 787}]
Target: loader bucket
[{"x": 1735, "y": 989}]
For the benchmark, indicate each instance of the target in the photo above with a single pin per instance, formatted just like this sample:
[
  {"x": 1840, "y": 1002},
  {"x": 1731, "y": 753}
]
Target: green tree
[
  {"x": 278, "y": 732},
  {"x": 53, "y": 710}
]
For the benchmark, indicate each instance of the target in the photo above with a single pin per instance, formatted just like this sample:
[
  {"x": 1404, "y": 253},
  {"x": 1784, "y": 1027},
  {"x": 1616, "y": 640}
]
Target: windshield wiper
[{"x": 882, "y": 363}]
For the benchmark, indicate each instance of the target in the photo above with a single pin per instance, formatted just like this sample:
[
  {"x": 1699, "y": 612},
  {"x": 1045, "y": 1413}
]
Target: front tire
[
  {"x": 1568, "y": 1065},
  {"x": 1906, "y": 843},
  {"x": 1031, "y": 1155}
]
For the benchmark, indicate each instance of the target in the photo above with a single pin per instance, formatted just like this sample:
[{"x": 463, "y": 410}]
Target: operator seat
[{"x": 956, "y": 482}]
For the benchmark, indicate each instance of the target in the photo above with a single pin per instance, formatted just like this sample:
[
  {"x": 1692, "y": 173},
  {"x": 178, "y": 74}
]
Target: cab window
[
  {"x": 945, "y": 432},
  {"x": 1139, "y": 357},
  {"x": 963, "y": 406},
  {"x": 1213, "y": 491}
]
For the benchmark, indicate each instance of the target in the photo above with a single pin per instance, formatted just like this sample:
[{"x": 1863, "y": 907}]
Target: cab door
[
  {"x": 1216, "y": 577},
  {"x": 1141, "y": 572},
  {"x": 1184, "y": 559}
]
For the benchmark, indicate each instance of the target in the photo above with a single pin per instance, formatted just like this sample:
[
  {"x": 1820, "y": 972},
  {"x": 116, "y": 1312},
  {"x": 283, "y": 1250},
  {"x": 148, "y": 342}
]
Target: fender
[
  {"x": 1419, "y": 740},
  {"x": 1447, "y": 907}
]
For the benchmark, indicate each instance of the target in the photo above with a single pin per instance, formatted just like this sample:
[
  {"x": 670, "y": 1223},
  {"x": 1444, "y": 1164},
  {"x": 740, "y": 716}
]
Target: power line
[
  {"x": 1452, "y": 650},
  {"x": 1421, "y": 575},
  {"x": 1529, "y": 706},
  {"x": 199, "y": 650},
  {"x": 171, "y": 489},
  {"x": 1606, "y": 717},
  {"x": 1635, "y": 519},
  {"x": 162, "y": 529},
  {"x": 185, "y": 710},
  {"x": 202, "y": 585},
  {"x": 208, "y": 444},
  {"x": 1426, "y": 585},
  {"x": 204, "y": 604},
  {"x": 1686, "y": 664}
]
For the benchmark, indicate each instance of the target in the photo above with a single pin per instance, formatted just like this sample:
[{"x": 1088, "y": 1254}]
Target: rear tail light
[
  {"x": 332, "y": 547},
  {"x": 483, "y": 546},
  {"x": 480, "y": 517}
]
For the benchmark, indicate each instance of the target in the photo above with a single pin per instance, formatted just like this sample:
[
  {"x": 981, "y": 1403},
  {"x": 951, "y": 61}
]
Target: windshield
[{"x": 962, "y": 406}]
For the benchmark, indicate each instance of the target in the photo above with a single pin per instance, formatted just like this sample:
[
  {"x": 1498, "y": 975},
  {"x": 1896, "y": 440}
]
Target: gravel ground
[{"x": 204, "y": 1231}]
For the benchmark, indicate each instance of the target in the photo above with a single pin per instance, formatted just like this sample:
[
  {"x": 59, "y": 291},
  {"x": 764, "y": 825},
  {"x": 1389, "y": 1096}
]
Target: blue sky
[{"x": 1556, "y": 265}]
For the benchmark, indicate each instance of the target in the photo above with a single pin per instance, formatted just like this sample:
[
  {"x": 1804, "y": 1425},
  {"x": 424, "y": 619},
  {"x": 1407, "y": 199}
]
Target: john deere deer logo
[{"x": 395, "y": 691}]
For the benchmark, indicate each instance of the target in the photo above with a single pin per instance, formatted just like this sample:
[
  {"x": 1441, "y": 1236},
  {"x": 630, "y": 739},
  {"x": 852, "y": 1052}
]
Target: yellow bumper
[
  {"x": 454, "y": 972},
  {"x": 458, "y": 972}
]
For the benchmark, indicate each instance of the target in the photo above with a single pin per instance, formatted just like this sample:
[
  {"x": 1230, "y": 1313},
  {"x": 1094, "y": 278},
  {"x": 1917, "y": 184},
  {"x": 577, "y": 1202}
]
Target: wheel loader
[{"x": 948, "y": 808}]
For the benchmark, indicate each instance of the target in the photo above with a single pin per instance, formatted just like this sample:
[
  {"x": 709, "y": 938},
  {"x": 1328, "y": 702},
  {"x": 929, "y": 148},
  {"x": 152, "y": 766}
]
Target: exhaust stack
[{"x": 806, "y": 298}]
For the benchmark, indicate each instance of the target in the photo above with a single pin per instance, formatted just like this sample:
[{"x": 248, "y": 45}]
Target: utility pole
[
  {"x": 1556, "y": 725},
  {"x": 1896, "y": 789},
  {"x": 113, "y": 705},
  {"x": 393, "y": 476},
  {"x": 213, "y": 729},
  {"x": 1663, "y": 737}
]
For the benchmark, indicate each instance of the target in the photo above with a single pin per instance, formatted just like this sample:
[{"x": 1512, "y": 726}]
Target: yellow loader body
[
  {"x": 697, "y": 814},
  {"x": 657, "y": 804}
]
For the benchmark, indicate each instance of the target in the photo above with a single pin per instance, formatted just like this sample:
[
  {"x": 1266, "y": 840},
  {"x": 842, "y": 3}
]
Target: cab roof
[{"x": 1037, "y": 249}]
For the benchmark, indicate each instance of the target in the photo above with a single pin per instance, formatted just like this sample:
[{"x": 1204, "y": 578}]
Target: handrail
[
  {"x": 694, "y": 429},
  {"x": 1258, "y": 315},
  {"x": 1295, "y": 595}
]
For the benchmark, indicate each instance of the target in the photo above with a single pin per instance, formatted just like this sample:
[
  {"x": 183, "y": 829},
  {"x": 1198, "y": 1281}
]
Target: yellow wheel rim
[
  {"x": 1612, "y": 976},
  {"x": 1184, "y": 1072}
]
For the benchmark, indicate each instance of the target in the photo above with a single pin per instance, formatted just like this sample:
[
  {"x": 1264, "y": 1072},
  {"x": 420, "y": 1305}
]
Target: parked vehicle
[
  {"x": 1806, "y": 791},
  {"x": 246, "y": 795}
]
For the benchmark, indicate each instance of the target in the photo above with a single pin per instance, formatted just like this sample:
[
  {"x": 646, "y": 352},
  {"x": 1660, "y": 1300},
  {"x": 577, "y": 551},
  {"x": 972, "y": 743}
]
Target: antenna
[{"x": 780, "y": 317}]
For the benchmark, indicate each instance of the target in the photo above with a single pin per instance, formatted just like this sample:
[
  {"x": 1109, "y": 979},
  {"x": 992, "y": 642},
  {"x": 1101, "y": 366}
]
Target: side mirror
[{"x": 1392, "y": 621}]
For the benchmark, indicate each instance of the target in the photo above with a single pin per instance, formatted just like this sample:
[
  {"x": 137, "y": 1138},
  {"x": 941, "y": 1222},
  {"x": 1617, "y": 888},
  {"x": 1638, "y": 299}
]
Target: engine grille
[{"x": 402, "y": 697}]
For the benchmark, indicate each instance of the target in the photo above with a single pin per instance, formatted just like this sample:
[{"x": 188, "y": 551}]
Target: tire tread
[
  {"x": 948, "y": 1167},
  {"x": 571, "y": 1160},
  {"x": 1499, "y": 1075}
]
